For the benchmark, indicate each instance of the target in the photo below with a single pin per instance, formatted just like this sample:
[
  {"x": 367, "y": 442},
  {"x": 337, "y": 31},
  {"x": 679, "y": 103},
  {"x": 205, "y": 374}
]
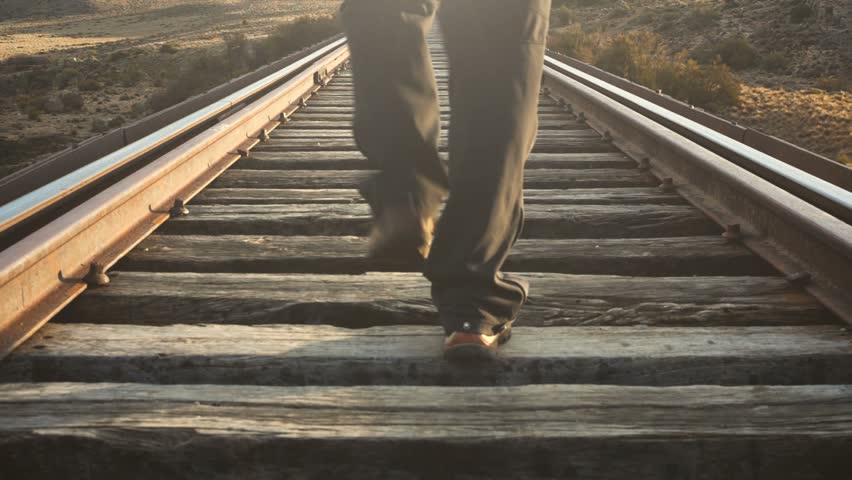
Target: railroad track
[{"x": 681, "y": 323}]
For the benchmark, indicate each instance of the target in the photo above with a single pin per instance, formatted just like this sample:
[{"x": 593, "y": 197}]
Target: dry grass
[
  {"x": 793, "y": 66},
  {"x": 817, "y": 120}
]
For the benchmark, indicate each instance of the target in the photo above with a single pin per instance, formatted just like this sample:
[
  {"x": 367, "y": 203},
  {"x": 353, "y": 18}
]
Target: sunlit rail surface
[{"x": 212, "y": 313}]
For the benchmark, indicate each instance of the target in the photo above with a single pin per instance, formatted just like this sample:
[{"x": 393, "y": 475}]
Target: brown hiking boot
[
  {"x": 463, "y": 347},
  {"x": 400, "y": 233}
]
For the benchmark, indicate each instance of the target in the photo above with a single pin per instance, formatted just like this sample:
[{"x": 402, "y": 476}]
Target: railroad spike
[
  {"x": 733, "y": 232},
  {"x": 96, "y": 277},
  {"x": 263, "y": 135},
  {"x": 644, "y": 164},
  {"x": 581, "y": 117},
  {"x": 178, "y": 209},
  {"x": 303, "y": 102},
  {"x": 284, "y": 118},
  {"x": 799, "y": 279},
  {"x": 607, "y": 137},
  {"x": 243, "y": 152},
  {"x": 667, "y": 185}
]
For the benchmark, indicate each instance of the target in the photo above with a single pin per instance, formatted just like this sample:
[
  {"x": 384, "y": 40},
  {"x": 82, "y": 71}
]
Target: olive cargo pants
[{"x": 496, "y": 53}]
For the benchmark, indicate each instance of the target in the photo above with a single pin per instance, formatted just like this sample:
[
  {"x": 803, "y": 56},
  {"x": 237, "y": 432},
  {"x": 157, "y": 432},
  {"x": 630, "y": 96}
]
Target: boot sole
[{"x": 473, "y": 353}]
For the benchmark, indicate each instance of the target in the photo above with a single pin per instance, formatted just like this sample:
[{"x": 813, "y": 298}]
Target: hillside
[
  {"x": 792, "y": 57},
  {"x": 71, "y": 69}
]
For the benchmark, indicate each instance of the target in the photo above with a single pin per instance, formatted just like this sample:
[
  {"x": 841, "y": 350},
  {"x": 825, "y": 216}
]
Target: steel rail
[
  {"x": 831, "y": 198},
  {"x": 38, "y": 200},
  {"x": 811, "y": 246},
  {"x": 43, "y": 272}
]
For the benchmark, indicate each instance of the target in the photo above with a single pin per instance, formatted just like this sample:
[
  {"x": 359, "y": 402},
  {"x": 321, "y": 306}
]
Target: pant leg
[
  {"x": 397, "y": 118},
  {"x": 496, "y": 53}
]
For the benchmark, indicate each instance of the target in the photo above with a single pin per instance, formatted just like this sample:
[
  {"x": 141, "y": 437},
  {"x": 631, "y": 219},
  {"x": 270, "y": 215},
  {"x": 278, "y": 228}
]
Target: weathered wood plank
[
  {"x": 292, "y": 132},
  {"x": 583, "y": 196},
  {"x": 312, "y": 107},
  {"x": 542, "y": 221},
  {"x": 542, "y": 145},
  {"x": 286, "y": 254},
  {"x": 323, "y": 355},
  {"x": 535, "y": 431},
  {"x": 346, "y": 123},
  {"x": 549, "y": 178},
  {"x": 348, "y": 115},
  {"x": 377, "y": 299},
  {"x": 260, "y": 160}
]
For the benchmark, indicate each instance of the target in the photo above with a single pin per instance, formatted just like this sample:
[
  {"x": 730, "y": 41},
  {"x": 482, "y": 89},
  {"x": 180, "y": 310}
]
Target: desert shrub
[
  {"x": 168, "y": 48},
  {"x": 30, "y": 103},
  {"x": 131, "y": 76},
  {"x": 643, "y": 58},
  {"x": 736, "y": 52},
  {"x": 38, "y": 80},
  {"x": 701, "y": 17},
  {"x": 237, "y": 50},
  {"x": 72, "y": 101},
  {"x": 800, "y": 12},
  {"x": 118, "y": 55},
  {"x": 27, "y": 61},
  {"x": 575, "y": 42},
  {"x": 832, "y": 84},
  {"x": 619, "y": 12},
  {"x": 68, "y": 77},
  {"x": 89, "y": 85},
  {"x": 213, "y": 68},
  {"x": 776, "y": 62},
  {"x": 561, "y": 16},
  {"x": 294, "y": 36}
]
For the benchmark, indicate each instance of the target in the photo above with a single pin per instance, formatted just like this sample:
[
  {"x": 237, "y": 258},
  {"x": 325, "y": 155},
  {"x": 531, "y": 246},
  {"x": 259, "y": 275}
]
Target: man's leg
[
  {"x": 397, "y": 118},
  {"x": 496, "y": 52}
]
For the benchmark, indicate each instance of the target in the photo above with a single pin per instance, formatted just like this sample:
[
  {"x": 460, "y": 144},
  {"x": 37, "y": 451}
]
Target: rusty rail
[
  {"x": 36, "y": 201},
  {"x": 51, "y": 266},
  {"x": 807, "y": 161},
  {"x": 812, "y": 247}
]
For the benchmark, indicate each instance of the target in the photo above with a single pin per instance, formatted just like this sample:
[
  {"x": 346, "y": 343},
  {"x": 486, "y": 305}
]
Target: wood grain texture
[
  {"x": 259, "y": 160},
  {"x": 286, "y": 254},
  {"x": 540, "y": 178},
  {"x": 582, "y": 196},
  {"x": 289, "y": 132},
  {"x": 549, "y": 431},
  {"x": 377, "y": 299},
  {"x": 324, "y": 355},
  {"x": 297, "y": 121},
  {"x": 542, "y": 221},
  {"x": 543, "y": 145}
]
